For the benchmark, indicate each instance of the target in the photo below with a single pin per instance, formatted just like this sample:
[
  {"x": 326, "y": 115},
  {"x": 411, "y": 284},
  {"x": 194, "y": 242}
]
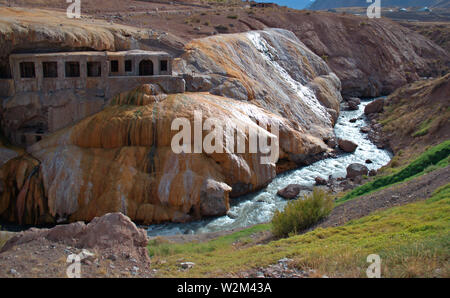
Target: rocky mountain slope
[
  {"x": 371, "y": 57},
  {"x": 438, "y": 32},
  {"x": 25, "y": 30},
  {"x": 122, "y": 158},
  {"x": 237, "y": 66},
  {"x": 327, "y": 4},
  {"x": 417, "y": 116}
]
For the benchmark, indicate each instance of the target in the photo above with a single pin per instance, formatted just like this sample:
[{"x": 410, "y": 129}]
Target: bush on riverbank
[
  {"x": 301, "y": 214},
  {"x": 437, "y": 156}
]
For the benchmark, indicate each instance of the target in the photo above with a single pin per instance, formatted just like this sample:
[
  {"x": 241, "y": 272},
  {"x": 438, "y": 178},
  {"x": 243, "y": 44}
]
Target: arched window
[{"x": 146, "y": 68}]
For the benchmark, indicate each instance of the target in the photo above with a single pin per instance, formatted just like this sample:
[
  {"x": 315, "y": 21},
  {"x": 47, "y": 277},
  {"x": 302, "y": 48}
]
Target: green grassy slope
[{"x": 412, "y": 241}]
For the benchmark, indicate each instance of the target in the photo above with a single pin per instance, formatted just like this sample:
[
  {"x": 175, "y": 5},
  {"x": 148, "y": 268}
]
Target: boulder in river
[
  {"x": 320, "y": 181},
  {"x": 292, "y": 191},
  {"x": 365, "y": 129},
  {"x": 353, "y": 103},
  {"x": 374, "y": 107},
  {"x": 347, "y": 146},
  {"x": 356, "y": 170}
]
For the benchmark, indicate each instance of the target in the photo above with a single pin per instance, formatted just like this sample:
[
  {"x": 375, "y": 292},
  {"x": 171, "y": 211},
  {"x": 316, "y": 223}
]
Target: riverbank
[
  {"x": 409, "y": 233},
  {"x": 405, "y": 221},
  {"x": 259, "y": 207}
]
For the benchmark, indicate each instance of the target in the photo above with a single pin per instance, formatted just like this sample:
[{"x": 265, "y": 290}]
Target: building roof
[
  {"x": 138, "y": 52},
  {"x": 91, "y": 54}
]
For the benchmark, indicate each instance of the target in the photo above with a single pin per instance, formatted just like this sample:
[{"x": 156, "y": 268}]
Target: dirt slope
[
  {"x": 371, "y": 57},
  {"x": 417, "y": 116}
]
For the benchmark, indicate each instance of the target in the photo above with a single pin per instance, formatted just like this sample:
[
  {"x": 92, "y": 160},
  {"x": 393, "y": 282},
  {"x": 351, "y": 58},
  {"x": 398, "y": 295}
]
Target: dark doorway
[{"x": 146, "y": 68}]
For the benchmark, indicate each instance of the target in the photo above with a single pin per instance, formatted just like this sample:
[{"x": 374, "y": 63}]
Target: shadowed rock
[
  {"x": 355, "y": 170},
  {"x": 113, "y": 231},
  {"x": 292, "y": 191},
  {"x": 374, "y": 107}
]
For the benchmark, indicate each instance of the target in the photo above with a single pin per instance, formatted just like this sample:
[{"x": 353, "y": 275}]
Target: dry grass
[{"x": 4, "y": 236}]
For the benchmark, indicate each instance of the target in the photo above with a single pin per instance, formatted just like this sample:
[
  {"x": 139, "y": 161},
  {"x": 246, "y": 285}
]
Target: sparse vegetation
[
  {"x": 302, "y": 213},
  {"x": 438, "y": 155},
  {"x": 4, "y": 238},
  {"x": 159, "y": 247},
  {"x": 412, "y": 241},
  {"x": 423, "y": 128}
]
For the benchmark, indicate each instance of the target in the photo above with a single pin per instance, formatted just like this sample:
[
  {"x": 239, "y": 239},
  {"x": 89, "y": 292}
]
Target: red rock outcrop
[
  {"x": 29, "y": 30},
  {"x": 25, "y": 115},
  {"x": 269, "y": 68},
  {"x": 121, "y": 160},
  {"x": 111, "y": 233}
]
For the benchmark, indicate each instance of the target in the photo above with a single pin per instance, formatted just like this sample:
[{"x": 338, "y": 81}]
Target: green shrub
[
  {"x": 4, "y": 237},
  {"x": 437, "y": 155},
  {"x": 439, "y": 194},
  {"x": 301, "y": 214},
  {"x": 431, "y": 168}
]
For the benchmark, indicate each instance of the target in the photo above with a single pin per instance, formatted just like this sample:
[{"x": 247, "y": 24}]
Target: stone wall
[
  {"x": 170, "y": 84},
  {"x": 6, "y": 87}
]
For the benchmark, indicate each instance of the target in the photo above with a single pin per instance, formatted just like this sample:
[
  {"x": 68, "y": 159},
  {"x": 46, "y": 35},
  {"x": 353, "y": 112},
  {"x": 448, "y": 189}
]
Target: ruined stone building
[{"x": 49, "y": 91}]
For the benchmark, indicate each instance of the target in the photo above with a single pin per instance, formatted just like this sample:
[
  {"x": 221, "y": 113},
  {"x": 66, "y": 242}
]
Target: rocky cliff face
[
  {"x": 271, "y": 69},
  {"x": 25, "y": 115},
  {"x": 417, "y": 116},
  {"x": 33, "y": 30},
  {"x": 122, "y": 158},
  {"x": 327, "y": 4},
  {"x": 372, "y": 57}
]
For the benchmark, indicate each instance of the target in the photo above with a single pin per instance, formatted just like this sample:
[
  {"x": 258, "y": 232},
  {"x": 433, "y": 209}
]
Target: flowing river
[{"x": 259, "y": 207}]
